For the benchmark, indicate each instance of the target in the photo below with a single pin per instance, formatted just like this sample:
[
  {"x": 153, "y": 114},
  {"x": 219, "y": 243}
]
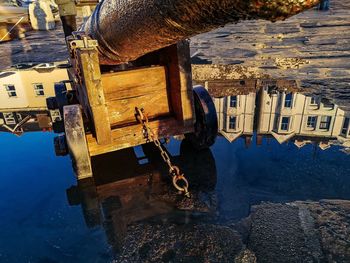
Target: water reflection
[
  {"x": 117, "y": 197},
  {"x": 278, "y": 145},
  {"x": 25, "y": 88},
  {"x": 271, "y": 108},
  {"x": 278, "y": 109}
]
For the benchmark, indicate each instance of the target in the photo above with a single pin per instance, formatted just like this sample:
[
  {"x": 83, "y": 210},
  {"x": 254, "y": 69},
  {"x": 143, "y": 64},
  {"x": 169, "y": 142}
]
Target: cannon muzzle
[{"x": 128, "y": 29}]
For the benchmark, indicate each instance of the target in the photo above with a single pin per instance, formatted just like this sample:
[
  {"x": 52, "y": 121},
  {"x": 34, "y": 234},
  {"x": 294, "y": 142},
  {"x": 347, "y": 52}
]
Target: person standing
[{"x": 68, "y": 13}]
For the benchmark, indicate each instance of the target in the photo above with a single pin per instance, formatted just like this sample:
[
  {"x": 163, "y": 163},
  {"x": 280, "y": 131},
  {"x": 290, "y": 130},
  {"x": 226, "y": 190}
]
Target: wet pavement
[{"x": 312, "y": 47}]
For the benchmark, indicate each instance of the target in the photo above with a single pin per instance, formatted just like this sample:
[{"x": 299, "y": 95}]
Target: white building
[
  {"x": 286, "y": 115},
  {"x": 24, "y": 89},
  {"x": 278, "y": 109},
  {"x": 236, "y": 112}
]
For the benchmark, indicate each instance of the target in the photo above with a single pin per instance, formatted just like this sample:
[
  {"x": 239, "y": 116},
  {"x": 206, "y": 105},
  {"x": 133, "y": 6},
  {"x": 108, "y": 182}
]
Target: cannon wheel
[
  {"x": 76, "y": 141},
  {"x": 206, "y": 125}
]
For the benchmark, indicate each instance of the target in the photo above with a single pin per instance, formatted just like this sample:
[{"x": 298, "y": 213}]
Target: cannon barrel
[{"x": 128, "y": 29}]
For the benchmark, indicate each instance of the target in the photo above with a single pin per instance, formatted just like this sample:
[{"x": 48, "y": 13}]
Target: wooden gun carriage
[{"x": 99, "y": 111}]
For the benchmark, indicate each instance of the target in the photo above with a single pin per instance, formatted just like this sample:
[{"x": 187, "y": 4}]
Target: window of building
[
  {"x": 271, "y": 89},
  {"x": 232, "y": 122},
  {"x": 11, "y": 90},
  {"x": 345, "y": 126},
  {"x": 18, "y": 117},
  {"x": 288, "y": 100},
  {"x": 313, "y": 101},
  {"x": 233, "y": 101},
  {"x": 39, "y": 89},
  {"x": 327, "y": 104},
  {"x": 9, "y": 118},
  {"x": 311, "y": 122},
  {"x": 325, "y": 122},
  {"x": 285, "y": 123}
]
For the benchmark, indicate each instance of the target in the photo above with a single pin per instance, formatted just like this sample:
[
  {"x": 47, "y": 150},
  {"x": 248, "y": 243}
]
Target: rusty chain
[{"x": 149, "y": 135}]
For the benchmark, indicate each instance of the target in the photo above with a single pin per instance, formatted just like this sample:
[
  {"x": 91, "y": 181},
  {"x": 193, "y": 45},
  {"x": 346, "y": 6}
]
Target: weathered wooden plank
[
  {"x": 180, "y": 78},
  {"x": 89, "y": 62},
  {"x": 131, "y": 135},
  {"x": 144, "y": 88},
  {"x": 123, "y": 111},
  {"x": 76, "y": 141},
  {"x": 128, "y": 83}
]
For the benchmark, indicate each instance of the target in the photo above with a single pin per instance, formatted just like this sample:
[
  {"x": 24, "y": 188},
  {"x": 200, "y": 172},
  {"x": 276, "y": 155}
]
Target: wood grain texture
[
  {"x": 92, "y": 83},
  {"x": 144, "y": 88},
  {"x": 76, "y": 141},
  {"x": 180, "y": 78},
  {"x": 131, "y": 135}
]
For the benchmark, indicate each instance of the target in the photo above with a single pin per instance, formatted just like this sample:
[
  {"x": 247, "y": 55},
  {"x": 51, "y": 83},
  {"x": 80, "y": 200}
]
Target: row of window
[
  {"x": 288, "y": 101},
  {"x": 325, "y": 122},
  {"x": 11, "y": 90},
  {"x": 285, "y": 122}
]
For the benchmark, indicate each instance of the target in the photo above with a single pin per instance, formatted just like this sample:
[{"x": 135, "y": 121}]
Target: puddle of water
[{"x": 275, "y": 145}]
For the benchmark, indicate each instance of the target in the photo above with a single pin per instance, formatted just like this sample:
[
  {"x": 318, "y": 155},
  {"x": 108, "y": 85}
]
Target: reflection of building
[
  {"x": 283, "y": 112},
  {"x": 23, "y": 92},
  {"x": 236, "y": 115},
  {"x": 305, "y": 118}
]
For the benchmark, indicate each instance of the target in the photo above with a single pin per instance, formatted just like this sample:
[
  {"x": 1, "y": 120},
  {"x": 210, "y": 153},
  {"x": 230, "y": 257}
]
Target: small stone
[{"x": 246, "y": 256}]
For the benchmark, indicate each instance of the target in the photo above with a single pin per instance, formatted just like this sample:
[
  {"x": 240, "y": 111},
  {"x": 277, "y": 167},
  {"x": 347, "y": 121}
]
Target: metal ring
[{"x": 177, "y": 178}]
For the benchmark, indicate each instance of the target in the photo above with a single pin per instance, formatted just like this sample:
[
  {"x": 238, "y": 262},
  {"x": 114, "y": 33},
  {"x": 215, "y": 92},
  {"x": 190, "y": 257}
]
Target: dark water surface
[{"x": 42, "y": 221}]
